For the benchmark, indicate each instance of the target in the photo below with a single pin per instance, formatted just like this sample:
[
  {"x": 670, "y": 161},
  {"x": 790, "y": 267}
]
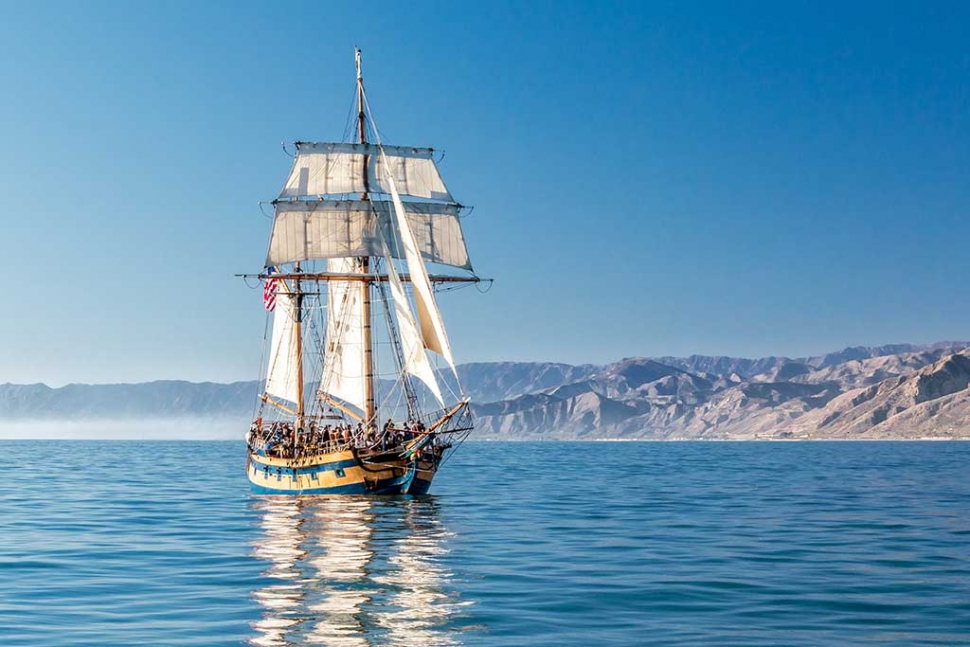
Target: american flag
[{"x": 269, "y": 290}]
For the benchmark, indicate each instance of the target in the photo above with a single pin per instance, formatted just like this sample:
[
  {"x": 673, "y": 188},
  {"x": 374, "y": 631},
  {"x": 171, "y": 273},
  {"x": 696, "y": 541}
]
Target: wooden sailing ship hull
[{"x": 339, "y": 472}]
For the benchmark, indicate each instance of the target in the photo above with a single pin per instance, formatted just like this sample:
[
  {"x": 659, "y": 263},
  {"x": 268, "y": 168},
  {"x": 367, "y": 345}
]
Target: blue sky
[{"x": 747, "y": 178}]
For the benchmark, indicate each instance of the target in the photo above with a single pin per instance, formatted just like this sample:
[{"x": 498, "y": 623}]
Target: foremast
[{"x": 298, "y": 345}]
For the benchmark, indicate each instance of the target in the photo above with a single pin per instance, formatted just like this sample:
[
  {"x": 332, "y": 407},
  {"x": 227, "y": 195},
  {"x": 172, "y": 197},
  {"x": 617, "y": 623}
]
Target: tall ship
[{"x": 361, "y": 392}]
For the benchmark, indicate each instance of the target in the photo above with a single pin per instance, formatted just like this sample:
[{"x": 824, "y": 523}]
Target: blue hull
[{"x": 336, "y": 473}]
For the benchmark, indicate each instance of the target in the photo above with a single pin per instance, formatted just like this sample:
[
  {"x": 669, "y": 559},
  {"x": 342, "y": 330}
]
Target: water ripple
[{"x": 121, "y": 543}]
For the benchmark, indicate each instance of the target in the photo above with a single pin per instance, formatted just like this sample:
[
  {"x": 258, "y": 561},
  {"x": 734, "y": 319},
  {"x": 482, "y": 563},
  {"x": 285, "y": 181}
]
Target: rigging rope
[
  {"x": 257, "y": 401},
  {"x": 351, "y": 118}
]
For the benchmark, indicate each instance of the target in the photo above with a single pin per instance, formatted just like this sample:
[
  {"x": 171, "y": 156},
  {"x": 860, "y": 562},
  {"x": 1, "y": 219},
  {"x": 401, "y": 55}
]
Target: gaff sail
[
  {"x": 282, "y": 375},
  {"x": 343, "y": 358}
]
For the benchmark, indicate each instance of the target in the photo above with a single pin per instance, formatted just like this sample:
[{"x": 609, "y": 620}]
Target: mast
[
  {"x": 298, "y": 329},
  {"x": 365, "y": 264},
  {"x": 361, "y": 133}
]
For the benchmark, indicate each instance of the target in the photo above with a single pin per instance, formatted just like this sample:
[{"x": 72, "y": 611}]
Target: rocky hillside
[
  {"x": 934, "y": 400},
  {"x": 899, "y": 391},
  {"x": 855, "y": 393}
]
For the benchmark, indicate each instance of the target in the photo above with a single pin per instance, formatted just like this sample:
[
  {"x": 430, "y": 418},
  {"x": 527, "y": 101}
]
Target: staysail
[
  {"x": 343, "y": 359},
  {"x": 433, "y": 331},
  {"x": 335, "y": 169},
  {"x": 281, "y": 376},
  {"x": 321, "y": 229},
  {"x": 415, "y": 358}
]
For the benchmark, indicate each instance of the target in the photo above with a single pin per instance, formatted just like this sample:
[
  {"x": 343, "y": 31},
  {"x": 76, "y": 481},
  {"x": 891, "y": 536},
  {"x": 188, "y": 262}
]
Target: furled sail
[
  {"x": 432, "y": 326},
  {"x": 281, "y": 376},
  {"x": 333, "y": 169},
  {"x": 343, "y": 359},
  {"x": 313, "y": 230},
  {"x": 415, "y": 358}
]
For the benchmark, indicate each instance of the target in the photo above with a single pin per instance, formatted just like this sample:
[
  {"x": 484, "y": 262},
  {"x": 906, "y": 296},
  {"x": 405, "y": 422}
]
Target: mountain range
[{"x": 896, "y": 391}]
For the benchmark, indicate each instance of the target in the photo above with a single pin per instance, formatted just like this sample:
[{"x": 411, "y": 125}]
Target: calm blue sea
[{"x": 154, "y": 543}]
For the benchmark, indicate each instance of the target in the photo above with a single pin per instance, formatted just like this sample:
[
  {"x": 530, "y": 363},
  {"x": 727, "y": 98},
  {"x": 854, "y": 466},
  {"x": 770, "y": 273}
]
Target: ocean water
[{"x": 155, "y": 543}]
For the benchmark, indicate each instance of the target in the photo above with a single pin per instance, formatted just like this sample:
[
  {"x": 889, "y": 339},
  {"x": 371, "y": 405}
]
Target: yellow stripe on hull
[{"x": 336, "y": 473}]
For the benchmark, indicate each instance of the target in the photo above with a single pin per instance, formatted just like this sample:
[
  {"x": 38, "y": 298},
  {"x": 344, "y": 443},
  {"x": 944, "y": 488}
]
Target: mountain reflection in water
[{"x": 353, "y": 571}]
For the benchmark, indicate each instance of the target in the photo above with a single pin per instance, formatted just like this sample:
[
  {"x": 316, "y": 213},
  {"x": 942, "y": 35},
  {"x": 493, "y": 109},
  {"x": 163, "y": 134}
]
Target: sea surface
[{"x": 525, "y": 544}]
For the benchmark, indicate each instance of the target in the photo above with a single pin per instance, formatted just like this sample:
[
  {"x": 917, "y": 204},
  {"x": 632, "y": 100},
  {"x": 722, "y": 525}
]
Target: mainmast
[
  {"x": 369, "y": 419},
  {"x": 361, "y": 131}
]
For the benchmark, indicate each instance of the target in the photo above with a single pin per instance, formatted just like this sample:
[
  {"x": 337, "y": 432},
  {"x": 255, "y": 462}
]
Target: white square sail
[
  {"x": 338, "y": 169},
  {"x": 306, "y": 230}
]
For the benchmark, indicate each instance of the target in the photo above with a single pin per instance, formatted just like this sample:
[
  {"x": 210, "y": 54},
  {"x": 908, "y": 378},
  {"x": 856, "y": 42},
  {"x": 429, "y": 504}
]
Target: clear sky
[{"x": 743, "y": 178}]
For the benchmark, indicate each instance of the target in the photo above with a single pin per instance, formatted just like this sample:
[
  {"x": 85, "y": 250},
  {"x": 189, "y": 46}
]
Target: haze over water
[{"x": 118, "y": 543}]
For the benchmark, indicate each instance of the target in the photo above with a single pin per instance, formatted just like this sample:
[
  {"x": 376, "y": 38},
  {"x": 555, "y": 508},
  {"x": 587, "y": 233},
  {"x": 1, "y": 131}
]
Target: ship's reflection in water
[{"x": 350, "y": 572}]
